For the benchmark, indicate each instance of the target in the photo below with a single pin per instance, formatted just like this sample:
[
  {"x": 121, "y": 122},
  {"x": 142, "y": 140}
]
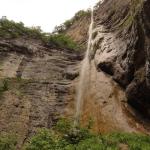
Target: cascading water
[{"x": 84, "y": 75}]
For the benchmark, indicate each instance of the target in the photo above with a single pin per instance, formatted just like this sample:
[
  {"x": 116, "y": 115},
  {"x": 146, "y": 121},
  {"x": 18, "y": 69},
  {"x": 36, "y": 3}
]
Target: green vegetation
[
  {"x": 10, "y": 29},
  {"x": 133, "y": 141},
  {"x": 59, "y": 39},
  {"x": 66, "y": 137},
  {"x": 7, "y": 142},
  {"x": 62, "y": 41},
  {"x": 61, "y": 28},
  {"x": 135, "y": 7},
  {"x": 3, "y": 86}
]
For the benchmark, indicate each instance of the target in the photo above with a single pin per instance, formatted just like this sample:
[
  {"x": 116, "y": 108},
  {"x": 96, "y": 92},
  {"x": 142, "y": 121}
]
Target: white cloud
[{"x": 44, "y": 13}]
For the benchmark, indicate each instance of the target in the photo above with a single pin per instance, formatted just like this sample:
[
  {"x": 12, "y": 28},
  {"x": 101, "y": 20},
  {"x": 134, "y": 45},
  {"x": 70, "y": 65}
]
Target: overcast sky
[{"x": 44, "y": 13}]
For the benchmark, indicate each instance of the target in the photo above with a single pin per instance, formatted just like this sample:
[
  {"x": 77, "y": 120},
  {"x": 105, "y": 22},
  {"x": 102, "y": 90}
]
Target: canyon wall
[
  {"x": 122, "y": 48},
  {"x": 121, "y": 58},
  {"x": 40, "y": 81},
  {"x": 39, "y": 84}
]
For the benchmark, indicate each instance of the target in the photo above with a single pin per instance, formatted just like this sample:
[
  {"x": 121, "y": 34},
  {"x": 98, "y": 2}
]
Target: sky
[{"x": 44, "y": 13}]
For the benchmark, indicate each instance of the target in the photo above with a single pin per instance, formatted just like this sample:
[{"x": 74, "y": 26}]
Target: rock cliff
[
  {"x": 122, "y": 48},
  {"x": 39, "y": 81},
  {"x": 121, "y": 57}
]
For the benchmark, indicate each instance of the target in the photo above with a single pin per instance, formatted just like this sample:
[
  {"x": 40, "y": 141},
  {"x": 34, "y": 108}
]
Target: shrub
[
  {"x": 134, "y": 141},
  {"x": 81, "y": 13},
  {"x": 44, "y": 140},
  {"x": 7, "y": 142},
  {"x": 62, "y": 41},
  {"x": 64, "y": 136},
  {"x": 11, "y": 29},
  {"x": 61, "y": 28},
  {"x": 4, "y": 86},
  {"x": 63, "y": 126}
]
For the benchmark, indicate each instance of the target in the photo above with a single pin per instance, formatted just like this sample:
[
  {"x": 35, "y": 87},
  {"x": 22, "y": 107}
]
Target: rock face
[
  {"x": 122, "y": 47},
  {"x": 120, "y": 55},
  {"x": 78, "y": 31},
  {"x": 39, "y": 80},
  {"x": 104, "y": 103}
]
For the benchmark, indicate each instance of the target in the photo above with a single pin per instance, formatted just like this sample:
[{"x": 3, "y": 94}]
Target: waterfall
[{"x": 84, "y": 78}]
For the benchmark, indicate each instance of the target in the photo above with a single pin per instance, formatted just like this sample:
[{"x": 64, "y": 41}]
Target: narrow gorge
[{"x": 41, "y": 82}]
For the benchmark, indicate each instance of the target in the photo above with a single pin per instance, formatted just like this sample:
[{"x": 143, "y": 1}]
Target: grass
[
  {"x": 65, "y": 136},
  {"x": 133, "y": 141},
  {"x": 7, "y": 142}
]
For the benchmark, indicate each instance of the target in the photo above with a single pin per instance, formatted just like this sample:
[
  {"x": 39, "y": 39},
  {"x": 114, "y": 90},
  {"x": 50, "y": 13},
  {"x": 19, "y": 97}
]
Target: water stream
[{"x": 84, "y": 79}]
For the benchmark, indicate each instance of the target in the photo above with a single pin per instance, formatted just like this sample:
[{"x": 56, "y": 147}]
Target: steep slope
[
  {"x": 79, "y": 29},
  {"x": 39, "y": 81},
  {"x": 121, "y": 47}
]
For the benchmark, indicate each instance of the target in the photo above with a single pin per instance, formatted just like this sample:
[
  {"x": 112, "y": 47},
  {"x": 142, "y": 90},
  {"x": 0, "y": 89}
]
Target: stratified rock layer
[
  {"x": 42, "y": 81},
  {"x": 39, "y": 81}
]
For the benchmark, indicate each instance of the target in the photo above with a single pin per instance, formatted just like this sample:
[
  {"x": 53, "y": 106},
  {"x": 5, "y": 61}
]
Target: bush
[
  {"x": 44, "y": 140},
  {"x": 7, "y": 142},
  {"x": 64, "y": 136},
  {"x": 81, "y": 13},
  {"x": 11, "y": 29},
  {"x": 3, "y": 86},
  {"x": 62, "y": 41},
  {"x": 134, "y": 141}
]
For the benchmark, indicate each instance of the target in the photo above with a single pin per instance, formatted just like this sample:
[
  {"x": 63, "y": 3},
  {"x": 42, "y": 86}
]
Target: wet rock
[{"x": 124, "y": 51}]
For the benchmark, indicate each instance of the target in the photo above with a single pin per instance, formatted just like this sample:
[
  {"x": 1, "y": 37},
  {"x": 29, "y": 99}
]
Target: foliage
[
  {"x": 3, "y": 86},
  {"x": 44, "y": 140},
  {"x": 81, "y": 13},
  {"x": 64, "y": 136},
  {"x": 63, "y": 126},
  {"x": 7, "y": 142},
  {"x": 61, "y": 28},
  {"x": 134, "y": 141},
  {"x": 11, "y": 29},
  {"x": 62, "y": 41}
]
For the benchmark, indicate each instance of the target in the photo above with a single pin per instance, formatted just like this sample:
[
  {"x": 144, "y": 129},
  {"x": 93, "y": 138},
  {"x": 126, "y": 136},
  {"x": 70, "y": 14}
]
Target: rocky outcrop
[
  {"x": 78, "y": 31},
  {"x": 41, "y": 81},
  {"x": 40, "y": 85},
  {"x": 121, "y": 38}
]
